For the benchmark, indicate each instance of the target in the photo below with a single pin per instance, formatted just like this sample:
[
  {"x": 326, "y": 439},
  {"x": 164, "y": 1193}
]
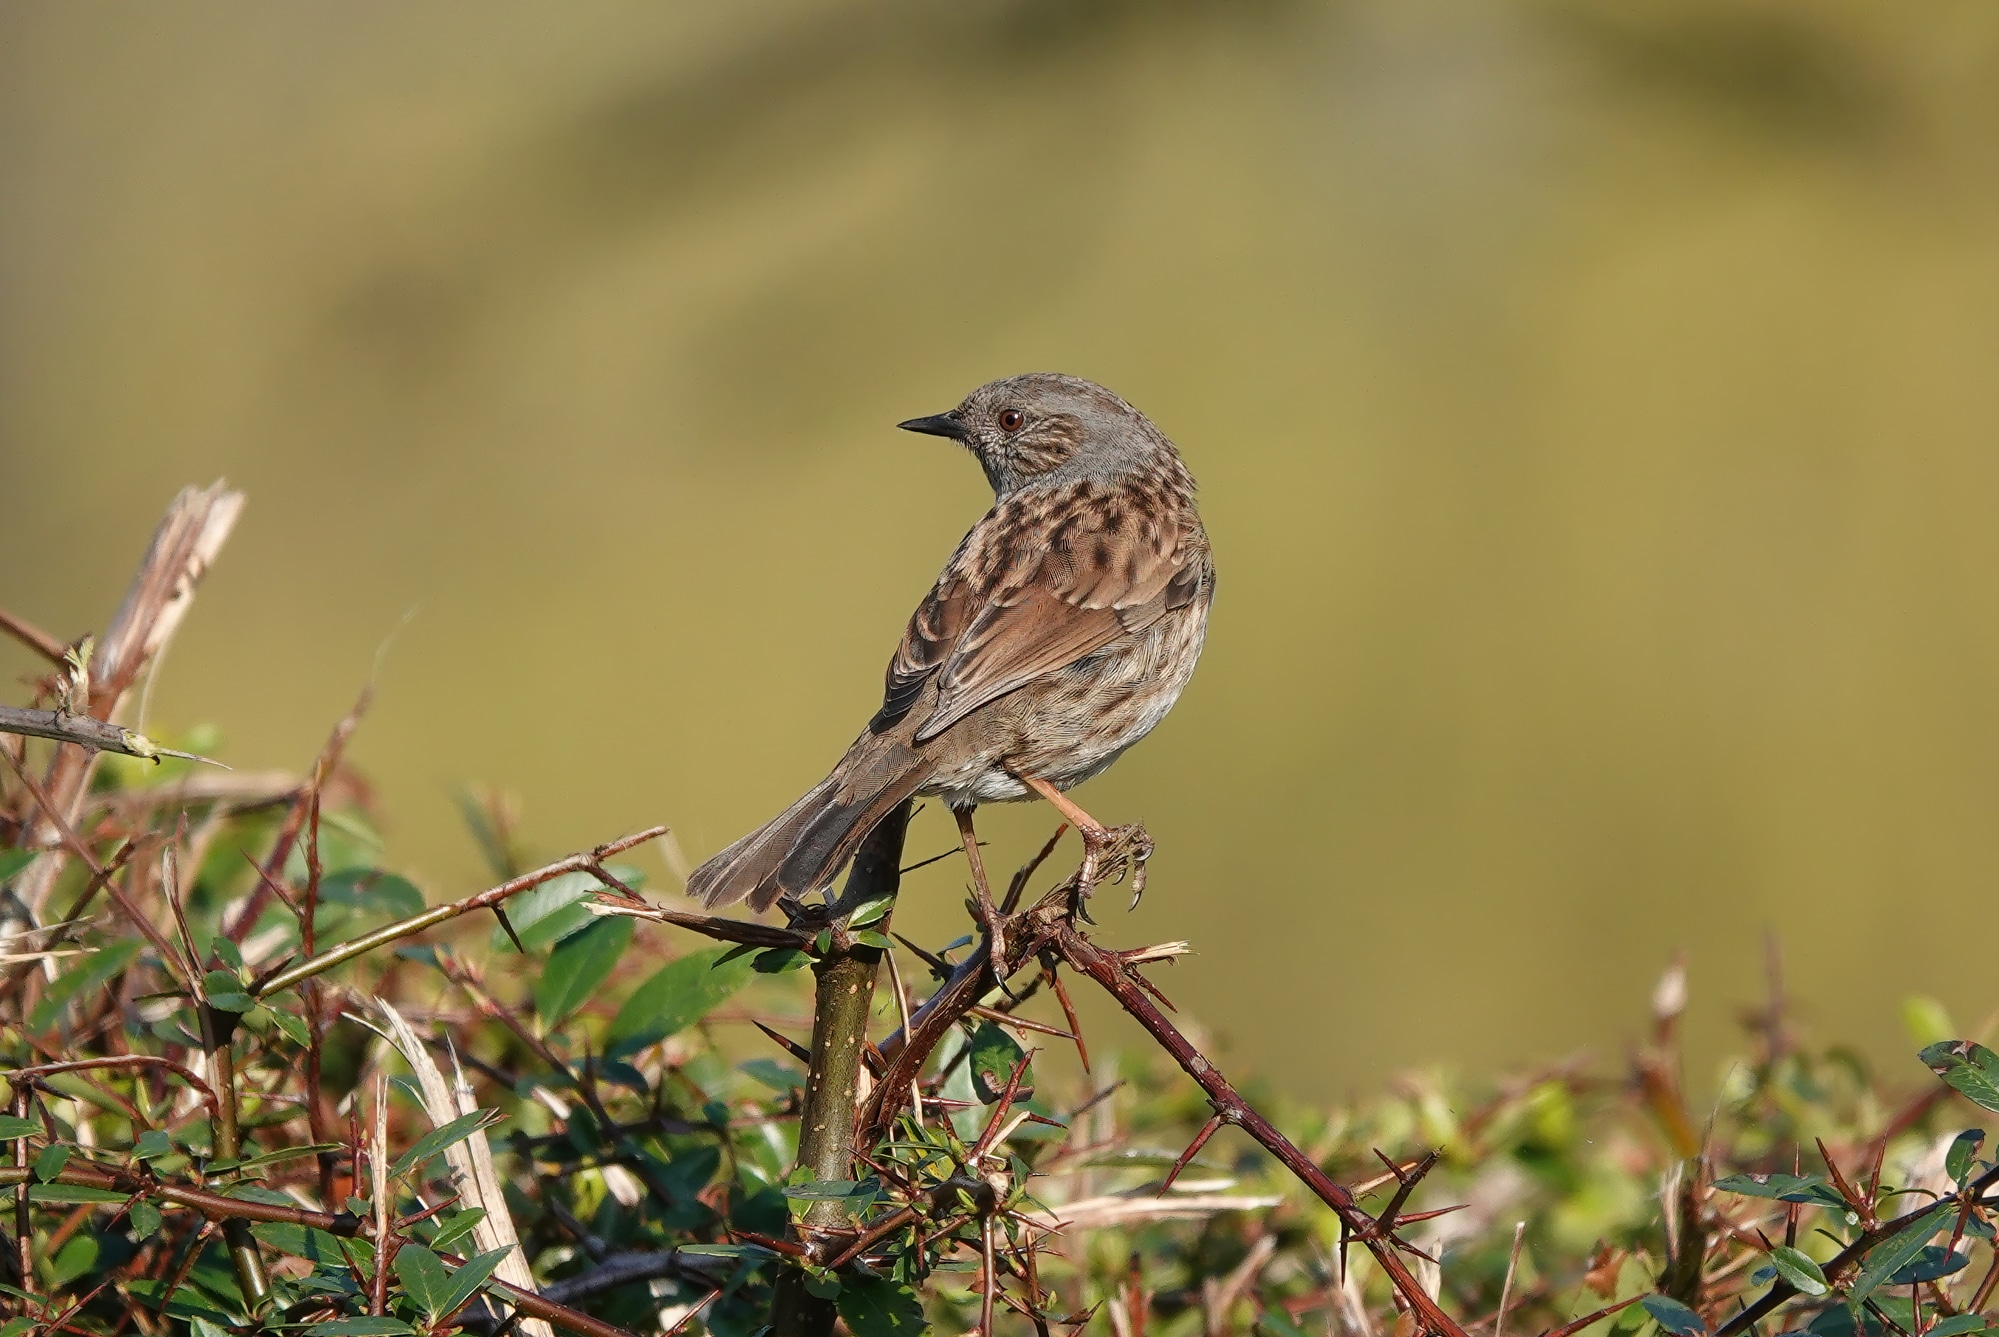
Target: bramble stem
[{"x": 846, "y": 986}]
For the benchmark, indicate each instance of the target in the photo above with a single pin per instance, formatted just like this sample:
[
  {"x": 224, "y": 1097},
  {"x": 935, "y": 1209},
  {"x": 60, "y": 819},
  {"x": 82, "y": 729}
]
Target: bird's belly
[{"x": 1073, "y": 724}]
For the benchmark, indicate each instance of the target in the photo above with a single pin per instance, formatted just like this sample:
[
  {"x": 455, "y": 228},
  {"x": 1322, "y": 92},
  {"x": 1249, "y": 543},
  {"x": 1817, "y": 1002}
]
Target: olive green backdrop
[{"x": 1594, "y": 404}]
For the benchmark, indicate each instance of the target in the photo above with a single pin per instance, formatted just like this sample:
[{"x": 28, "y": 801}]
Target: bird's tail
[{"x": 801, "y": 849}]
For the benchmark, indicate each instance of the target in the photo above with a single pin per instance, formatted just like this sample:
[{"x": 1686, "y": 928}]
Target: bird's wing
[{"x": 1039, "y": 583}]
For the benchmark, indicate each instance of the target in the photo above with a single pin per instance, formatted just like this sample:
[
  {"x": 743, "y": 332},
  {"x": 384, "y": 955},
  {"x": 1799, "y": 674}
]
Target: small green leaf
[
  {"x": 1957, "y": 1161},
  {"x": 50, "y": 1162},
  {"x": 424, "y": 1276},
  {"x": 777, "y": 1076},
  {"x": 13, "y": 1126},
  {"x": 1933, "y": 1264},
  {"x": 1798, "y": 1269},
  {"x": 231, "y": 1001},
  {"x": 293, "y": 1026},
  {"x": 1673, "y": 1316},
  {"x": 1784, "y": 1188},
  {"x": 75, "y": 1258},
  {"x": 145, "y": 1219},
  {"x": 868, "y": 912},
  {"x": 152, "y": 1144},
  {"x": 995, "y": 1054},
  {"x": 878, "y": 1307},
  {"x": 469, "y": 1278},
  {"x": 678, "y": 995},
  {"x": 834, "y": 1190},
  {"x": 822, "y": 1285},
  {"x": 1898, "y": 1251},
  {"x": 1968, "y": 1068},
  {"x": 457, "y": 1226},
  {"x": 879, "y": 941},
  {"x": 13, "y": 861},
  {"x": 227, "y": 953},
  {"x": 1956, "y": 1326},
  {"x": 823, "y": 943},
  {"x": 73, "y": 1194},
  {"x": 777, "y": 960},
  {"x": 579, "y": 964},
  {"x": 362, "y": 1326},
  {"x": 437, "y": 1139}
]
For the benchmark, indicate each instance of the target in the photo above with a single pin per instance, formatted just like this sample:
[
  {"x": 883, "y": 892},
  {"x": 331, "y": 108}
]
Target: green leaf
[
  {"x": 869, "y": 938},
  {"x": 291, "y": 1024},
  {"x": 145, "y": 1219},
  {"x": 1933, "y": 1264},
  {"x": 227, "y": 953},
  {"x": 469, "y": 1278},
  {"x": 70, "y": 1195},
  {"x": 868, "y": 912},
  {"x": 1673, "y": 1316},
  {"x": 995, "y": 1054},
  {"x": 437, "y": 1139},
  {"x": 1798, "y": 1269},
  {"x": 363, "y": 1326},
  {"x": 230, "y": 1001},
  {"x": 833, "y": 1190},
  {"x": 13, "y": 1126},
  {"x": 424, "y": 1276},
  {"x": 286, "y": 1154},
  {"x": 822, "y": 1285},
  {"x": 678, "y": 995},
  {"x": 1956, "y": 1325},
  {"x": 556, "y": 908},
  {"x": 457, "y": 1226},
  {"x": 152, "y": 1144},
  {"x": 1784, "y": 1188},
  {"x": 1957, "y": 1161},
  {"x": 75, "y": 1258},
  {"x": 1898, "y": 1250},
  {"x": 878, "y": 1307},
  {"x": 50, "y": 1162},
  {"x": 777, "y": 1076},
  {"x": 777, "y": 960},
  {"x": 1968, "y": 1068},
  {"x": 84, "y": 977},
  {"x": 578, "y": 965},
  {"x": 13, "y": 861}
]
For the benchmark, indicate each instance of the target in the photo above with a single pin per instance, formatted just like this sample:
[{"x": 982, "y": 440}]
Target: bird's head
[{"x": 1046, "y": 427}]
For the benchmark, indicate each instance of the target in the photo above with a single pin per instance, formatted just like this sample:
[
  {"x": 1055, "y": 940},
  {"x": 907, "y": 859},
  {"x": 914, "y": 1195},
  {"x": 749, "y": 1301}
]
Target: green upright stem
[
  {"x": 846, "y": 987},
  {"x": 218, "y": 1031}
]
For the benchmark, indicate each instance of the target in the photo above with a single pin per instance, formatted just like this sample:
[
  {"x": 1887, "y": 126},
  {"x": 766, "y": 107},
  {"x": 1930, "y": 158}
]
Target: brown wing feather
[{"x": 1038, "y": 584}]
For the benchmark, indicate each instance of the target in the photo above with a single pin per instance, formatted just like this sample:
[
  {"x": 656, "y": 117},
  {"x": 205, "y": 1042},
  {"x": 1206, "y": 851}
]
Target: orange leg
[
  {"x": 1082, "y": 821},
  {"x": 1097, "y": 838},
  {"x": 987, "y": 910}
]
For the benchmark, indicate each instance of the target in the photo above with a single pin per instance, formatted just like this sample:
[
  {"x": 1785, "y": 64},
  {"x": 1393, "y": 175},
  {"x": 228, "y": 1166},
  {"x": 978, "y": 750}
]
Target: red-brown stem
[
  {"x": 1116, "y": 977},
  {"x": 118, "y": 1061}
]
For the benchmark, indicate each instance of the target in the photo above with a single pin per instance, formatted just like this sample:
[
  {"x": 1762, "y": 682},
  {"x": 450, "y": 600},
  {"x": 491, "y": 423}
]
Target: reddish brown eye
[{"x": 1010, "y": 420}]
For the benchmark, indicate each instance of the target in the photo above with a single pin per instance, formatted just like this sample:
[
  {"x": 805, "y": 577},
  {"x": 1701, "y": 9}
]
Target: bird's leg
[
  {"x": 1129, "y": 842},
  {"x": 989, "y": 914}
]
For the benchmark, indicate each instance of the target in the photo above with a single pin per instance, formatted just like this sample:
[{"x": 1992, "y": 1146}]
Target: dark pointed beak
[{"x": 938, "y": 424}]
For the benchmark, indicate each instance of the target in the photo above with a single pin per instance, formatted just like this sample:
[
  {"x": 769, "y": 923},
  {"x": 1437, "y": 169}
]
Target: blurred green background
[{"x": 1594, "y": 404}]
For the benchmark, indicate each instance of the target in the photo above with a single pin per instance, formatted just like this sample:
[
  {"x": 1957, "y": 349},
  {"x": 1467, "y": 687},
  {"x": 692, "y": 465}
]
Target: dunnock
[{"x": 1060, "y": 632}]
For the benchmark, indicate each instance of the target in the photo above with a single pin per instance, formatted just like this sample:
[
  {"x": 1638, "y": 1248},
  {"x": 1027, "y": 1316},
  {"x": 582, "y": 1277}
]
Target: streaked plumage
[{"x": 1060, "y": 632}]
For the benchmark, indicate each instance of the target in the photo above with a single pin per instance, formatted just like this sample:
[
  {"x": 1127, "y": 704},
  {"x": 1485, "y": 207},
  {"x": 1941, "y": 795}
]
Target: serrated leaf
[
  {"x": 994, "y": 1056},
  {"x": 578, "y": 965},
  {"x": 1898, "y": 1251},
  {"x": 423, "y": 1275},
  {"x": 1673, "y": 1316},
  {"x": 437, "y": 1139},
  {"x": 878, "y": 1307},
  {"x": 1799, "y": 1269},
  {"x": 1968, "y": 1068},
  {"x": 1963, "y": 1148},
  {"x": 678, "y": 995}
]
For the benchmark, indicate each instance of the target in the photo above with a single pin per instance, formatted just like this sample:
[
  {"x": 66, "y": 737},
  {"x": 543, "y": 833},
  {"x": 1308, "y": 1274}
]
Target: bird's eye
[{"x": 1011, "y": 419}]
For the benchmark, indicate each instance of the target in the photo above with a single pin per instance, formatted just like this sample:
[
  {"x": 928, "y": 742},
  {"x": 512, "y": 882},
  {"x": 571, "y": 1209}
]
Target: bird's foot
[{"x": 1114, "y": 851}]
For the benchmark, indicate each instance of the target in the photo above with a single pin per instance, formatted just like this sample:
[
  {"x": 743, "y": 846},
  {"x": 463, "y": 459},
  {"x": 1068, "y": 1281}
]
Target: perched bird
[{"x": 1060, "y": 632}]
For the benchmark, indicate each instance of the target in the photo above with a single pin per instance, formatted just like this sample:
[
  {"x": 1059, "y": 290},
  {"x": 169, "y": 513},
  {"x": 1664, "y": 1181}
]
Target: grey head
[{"x": 1046, "y": 428}]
